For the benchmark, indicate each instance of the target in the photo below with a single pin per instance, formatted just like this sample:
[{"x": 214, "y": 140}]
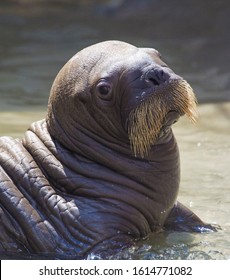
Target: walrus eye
[{"x": 104, "y": 89}]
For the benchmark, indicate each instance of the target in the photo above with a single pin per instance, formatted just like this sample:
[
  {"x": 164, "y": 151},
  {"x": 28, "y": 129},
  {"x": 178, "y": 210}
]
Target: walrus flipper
[{"x": 182, "y": 218}]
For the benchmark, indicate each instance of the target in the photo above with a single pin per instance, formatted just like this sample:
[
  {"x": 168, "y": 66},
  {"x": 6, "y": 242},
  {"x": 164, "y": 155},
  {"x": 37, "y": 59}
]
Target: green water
[{"x": 37, "y": 40}]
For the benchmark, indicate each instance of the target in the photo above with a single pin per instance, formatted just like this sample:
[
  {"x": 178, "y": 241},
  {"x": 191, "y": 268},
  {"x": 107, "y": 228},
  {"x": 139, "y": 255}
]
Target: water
[{"x": 37, "y": 40}]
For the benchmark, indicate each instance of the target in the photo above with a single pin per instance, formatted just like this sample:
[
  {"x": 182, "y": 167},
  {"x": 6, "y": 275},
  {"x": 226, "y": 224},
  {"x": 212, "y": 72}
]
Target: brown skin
[{"x": 75, "y": 184}]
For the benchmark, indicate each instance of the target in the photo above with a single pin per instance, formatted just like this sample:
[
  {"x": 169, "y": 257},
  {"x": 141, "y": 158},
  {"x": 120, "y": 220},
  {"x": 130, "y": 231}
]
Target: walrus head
[{"x": 120, "y": 95}]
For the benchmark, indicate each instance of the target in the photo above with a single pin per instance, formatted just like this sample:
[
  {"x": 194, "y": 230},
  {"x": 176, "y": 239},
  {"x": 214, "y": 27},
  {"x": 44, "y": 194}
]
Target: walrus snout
[
  {"x": 152, "y": 117},
  {"x": 158, "y": 75},
  {"x": 152, "y": 80}
]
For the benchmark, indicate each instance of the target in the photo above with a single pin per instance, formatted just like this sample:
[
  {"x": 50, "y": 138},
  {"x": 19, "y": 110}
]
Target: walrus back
[
  {"x": 30, "y": 212},
  {"x": 20, "y": 223}
]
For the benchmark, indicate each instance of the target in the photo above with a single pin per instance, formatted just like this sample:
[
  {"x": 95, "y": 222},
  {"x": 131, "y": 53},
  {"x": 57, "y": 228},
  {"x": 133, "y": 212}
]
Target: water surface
[{"x": 193, "y": 37}]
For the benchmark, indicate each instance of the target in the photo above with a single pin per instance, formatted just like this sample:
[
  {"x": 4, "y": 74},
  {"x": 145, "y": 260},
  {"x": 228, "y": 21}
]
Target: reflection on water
[
  {"x": 16, "y": 123},
  {"x": 194, "y": 40}
]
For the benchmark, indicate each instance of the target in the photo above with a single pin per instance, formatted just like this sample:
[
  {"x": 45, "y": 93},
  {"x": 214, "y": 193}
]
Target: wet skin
[{"x": 74, "y": 184}]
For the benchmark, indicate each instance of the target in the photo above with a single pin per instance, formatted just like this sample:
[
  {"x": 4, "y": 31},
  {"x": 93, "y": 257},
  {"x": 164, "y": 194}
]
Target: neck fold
[{"x": 88, "y": 171}]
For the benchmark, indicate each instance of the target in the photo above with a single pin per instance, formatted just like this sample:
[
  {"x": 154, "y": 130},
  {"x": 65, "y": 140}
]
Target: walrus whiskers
[
  {"x": 145, "y": 125},
  {"x": 183, "y": 94},
  {"x": 146, "y": 121}
]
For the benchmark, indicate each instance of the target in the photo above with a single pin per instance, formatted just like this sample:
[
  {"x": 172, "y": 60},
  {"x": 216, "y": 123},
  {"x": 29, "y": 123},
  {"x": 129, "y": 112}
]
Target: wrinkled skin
[{"x": 73, "y": 184}]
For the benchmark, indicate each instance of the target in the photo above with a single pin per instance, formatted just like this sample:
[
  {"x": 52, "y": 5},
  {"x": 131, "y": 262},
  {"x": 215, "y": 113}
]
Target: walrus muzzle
[{"x": 147, "y": 119}]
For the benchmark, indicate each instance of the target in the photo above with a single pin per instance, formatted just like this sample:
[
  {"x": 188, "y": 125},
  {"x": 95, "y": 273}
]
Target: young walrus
[{"x": 102, "y": 170}]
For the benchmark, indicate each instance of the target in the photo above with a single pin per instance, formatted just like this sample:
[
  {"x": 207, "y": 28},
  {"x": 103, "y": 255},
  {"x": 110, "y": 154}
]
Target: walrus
[{"x": 102, "y": 170}]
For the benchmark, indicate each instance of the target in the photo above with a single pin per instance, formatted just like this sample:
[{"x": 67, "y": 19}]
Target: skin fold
[{"x": 102, "y": 170}]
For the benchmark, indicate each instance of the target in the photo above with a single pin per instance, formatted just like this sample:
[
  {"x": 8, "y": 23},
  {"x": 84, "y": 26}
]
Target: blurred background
[{"x": 37, "y": 37}]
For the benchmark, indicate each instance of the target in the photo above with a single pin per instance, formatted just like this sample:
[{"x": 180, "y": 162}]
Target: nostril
[
  {"x": 161, "y": 74},
  {"x": 154, "y": 81},
  {"x": 157, "y": 76}
]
